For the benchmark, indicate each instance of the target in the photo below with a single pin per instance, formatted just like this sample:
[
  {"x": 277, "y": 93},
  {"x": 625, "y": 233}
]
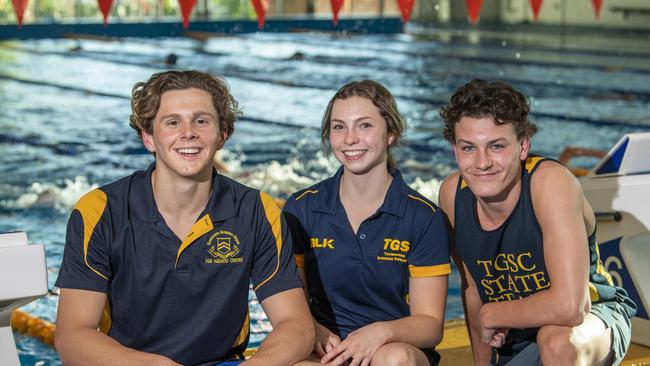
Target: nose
[
  {"x": 483, "y": 160},
  {"x": 351, "y": 137},
  {"x": 187, "y": 130}
]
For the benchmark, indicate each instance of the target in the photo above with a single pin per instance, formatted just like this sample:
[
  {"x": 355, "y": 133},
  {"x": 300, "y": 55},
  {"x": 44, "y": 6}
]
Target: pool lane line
[
  {"x": 574, "y": 89},
  {"x": 437, "y": 103},
  {"x": 456, "y": 44},
  {"x": 435, "y": 52}
]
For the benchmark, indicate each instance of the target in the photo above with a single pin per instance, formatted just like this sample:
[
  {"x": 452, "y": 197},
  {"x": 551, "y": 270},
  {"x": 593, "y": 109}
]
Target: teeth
[
  {"x": 353, "y": 153},
  {"x": 189, "y": 150}
]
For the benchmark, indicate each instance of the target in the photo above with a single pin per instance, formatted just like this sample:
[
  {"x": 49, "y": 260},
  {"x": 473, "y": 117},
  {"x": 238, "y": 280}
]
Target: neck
[
  {"x": 180, "y": 197},
  {"x": 367, "y": 187}
]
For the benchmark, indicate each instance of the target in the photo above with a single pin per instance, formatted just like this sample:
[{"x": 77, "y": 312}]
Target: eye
[
  {"x": 202, "y": 121},
  {"x": 366, "y": 125},
  {"x": 468, "y": 148},
  {"x": 171, "y": 123},
  {"x": 497, "y": 147},
  {"x": 337, "y": 126}
]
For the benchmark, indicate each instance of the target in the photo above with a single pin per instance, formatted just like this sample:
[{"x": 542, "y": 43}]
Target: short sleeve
[
  {"x": 86, "y": 260},
  {"x": 274, "y": 269},
  {"x": 429, "y": 255},
  {"x": 299, "y": 235}
]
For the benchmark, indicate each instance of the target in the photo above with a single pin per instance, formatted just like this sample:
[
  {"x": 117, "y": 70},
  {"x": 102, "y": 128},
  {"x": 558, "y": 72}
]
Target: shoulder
[
  {"x": 98, "y": 199},
  {"x": 308, "y": 197},
  {"x": 555, "y": 192},
  {"x": 551, "y": 177},
  {"x": 240, "y": 194},
  {"x": 419, "y": 203},
  {"x": 447, "y": 193}
]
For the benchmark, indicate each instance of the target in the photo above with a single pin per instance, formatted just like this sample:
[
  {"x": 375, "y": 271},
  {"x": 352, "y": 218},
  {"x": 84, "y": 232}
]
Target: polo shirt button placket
[{"x": 362, "y": 236}]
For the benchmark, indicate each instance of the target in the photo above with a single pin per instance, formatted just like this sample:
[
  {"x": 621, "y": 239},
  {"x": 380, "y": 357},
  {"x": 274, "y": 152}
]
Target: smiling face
[
  {"x": 489, "y": 156},
  {"x": 186, "y": 134},
  {"x": 359, "y": 135}
]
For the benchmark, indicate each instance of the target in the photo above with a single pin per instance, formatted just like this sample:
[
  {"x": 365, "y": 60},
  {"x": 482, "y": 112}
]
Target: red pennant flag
[
  {"x": 474, "y": 9},
  {"x": 19, "y": 10},
  {"x": 260, "y": 7},
  {"x": 105, "y": 8},
  {"x": 186, "y": 11},
  {"x": 336, "y": 7},
  {"x": 597, "y": 5},
  {"x": 536, "y": 5},
  {"x": 405, "y": 7}
]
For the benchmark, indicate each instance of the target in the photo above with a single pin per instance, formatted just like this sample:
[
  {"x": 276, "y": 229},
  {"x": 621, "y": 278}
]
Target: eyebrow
[
  {"x": 194, "y": 115},
  {"x": 500, "y": 139},
  {"x": 357, "y": 120}
]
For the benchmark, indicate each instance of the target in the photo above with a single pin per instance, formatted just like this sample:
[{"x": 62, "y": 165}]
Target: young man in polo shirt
[{"x": 160, "y": 261}]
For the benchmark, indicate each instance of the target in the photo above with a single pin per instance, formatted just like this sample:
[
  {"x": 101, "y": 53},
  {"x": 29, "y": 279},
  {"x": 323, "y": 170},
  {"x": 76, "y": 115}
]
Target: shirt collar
[
  {"x": 221, "y": 205},
  {"x": 396, "y": 196},
  {"x": 394, "y": 202}
]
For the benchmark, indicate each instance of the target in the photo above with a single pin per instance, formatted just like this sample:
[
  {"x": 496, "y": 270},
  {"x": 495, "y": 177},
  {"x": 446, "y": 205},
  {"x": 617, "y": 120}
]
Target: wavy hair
[
  {"x": 479, "y": 99},
  {"x": 146, "y": 96}
]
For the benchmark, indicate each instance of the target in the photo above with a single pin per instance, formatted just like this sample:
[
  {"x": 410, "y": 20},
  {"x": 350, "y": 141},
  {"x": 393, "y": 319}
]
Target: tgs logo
[{"x": 396, "y": 245}]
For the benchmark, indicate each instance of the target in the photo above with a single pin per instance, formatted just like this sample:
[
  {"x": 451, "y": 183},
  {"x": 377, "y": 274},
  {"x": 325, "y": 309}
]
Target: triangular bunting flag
[
  {"x": 336, "y": 7},
  {"x": 19, "y": 10},
  {"x": 474, "y": 9},
  {"x": 105, "y": 8},
  {"x": 597, "y": 5},
  {"x": 186, "y": 11},
  {"x": 406, "y": 8},
  {"x": 260, "y": 7},
  {"x": 536, "y": 5}
]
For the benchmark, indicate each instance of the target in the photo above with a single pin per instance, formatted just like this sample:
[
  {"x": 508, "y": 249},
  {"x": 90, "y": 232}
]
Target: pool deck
[{"x": 455, "y": 348}]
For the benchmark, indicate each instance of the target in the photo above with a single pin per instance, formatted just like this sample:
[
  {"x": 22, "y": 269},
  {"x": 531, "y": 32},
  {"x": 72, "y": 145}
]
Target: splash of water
[{"x": 50, "y": 195}]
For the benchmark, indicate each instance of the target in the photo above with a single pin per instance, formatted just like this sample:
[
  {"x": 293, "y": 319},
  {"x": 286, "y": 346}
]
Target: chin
[{"x": 483, "y": 190}]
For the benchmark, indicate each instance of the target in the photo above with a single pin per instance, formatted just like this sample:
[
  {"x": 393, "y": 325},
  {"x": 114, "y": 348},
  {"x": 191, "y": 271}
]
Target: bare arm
[
  {"x": 292, "y": 338},
  {"x": 447, "y": 195},
  {"x": 325, "y": 339},
  {"x": 423, "y": 328},
  {"x": 80, "y": 343},
  {"x": 559, "y": 205},
  {"x": 471, "y": 300}
]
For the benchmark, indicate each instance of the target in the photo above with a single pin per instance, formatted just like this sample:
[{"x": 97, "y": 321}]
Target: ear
[
  {"x": 525, "y": 148},
  {"x": 391, "y": 138},
  {"x": 148, "y": 142},
  {"x": 222, "y": 140}
]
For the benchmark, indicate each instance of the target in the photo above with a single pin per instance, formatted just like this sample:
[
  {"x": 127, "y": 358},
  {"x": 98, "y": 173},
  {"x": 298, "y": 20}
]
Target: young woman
[{"x": 373, "y": 253}]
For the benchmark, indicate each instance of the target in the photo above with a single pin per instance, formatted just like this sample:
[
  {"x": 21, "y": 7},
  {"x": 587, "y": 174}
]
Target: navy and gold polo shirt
[
  {"x": 358, "y": 279},
  {"x": 187, "y": 300}
]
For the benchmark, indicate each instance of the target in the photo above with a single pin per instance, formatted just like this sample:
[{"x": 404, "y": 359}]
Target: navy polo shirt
[
  {"x": 188, "y": 299},
  {"x": 358, "y": 279}
]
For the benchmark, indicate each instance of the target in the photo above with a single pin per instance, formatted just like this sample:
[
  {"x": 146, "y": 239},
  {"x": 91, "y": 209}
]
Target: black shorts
[{"x": 432, "y": 355}]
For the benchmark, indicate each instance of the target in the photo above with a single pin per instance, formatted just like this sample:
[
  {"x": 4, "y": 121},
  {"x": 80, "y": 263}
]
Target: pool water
[{"x": 64, "y": 111}]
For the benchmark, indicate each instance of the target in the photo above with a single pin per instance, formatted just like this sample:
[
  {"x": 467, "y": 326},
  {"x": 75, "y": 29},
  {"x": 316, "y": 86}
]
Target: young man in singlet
[{"x": 524, "y": 236}]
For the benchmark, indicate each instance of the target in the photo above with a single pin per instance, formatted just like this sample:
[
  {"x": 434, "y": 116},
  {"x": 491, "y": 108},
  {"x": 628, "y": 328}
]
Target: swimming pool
[{"x": 64, "y": 110}]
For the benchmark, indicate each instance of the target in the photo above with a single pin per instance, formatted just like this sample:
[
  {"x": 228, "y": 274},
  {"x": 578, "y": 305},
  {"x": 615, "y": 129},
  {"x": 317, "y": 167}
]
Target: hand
[
  {"x": 495, "y": 337},
  {"x": 499, "y": 338},
  {"x": 325, "y": 340},
  {"x": 359, "y": 346}
]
